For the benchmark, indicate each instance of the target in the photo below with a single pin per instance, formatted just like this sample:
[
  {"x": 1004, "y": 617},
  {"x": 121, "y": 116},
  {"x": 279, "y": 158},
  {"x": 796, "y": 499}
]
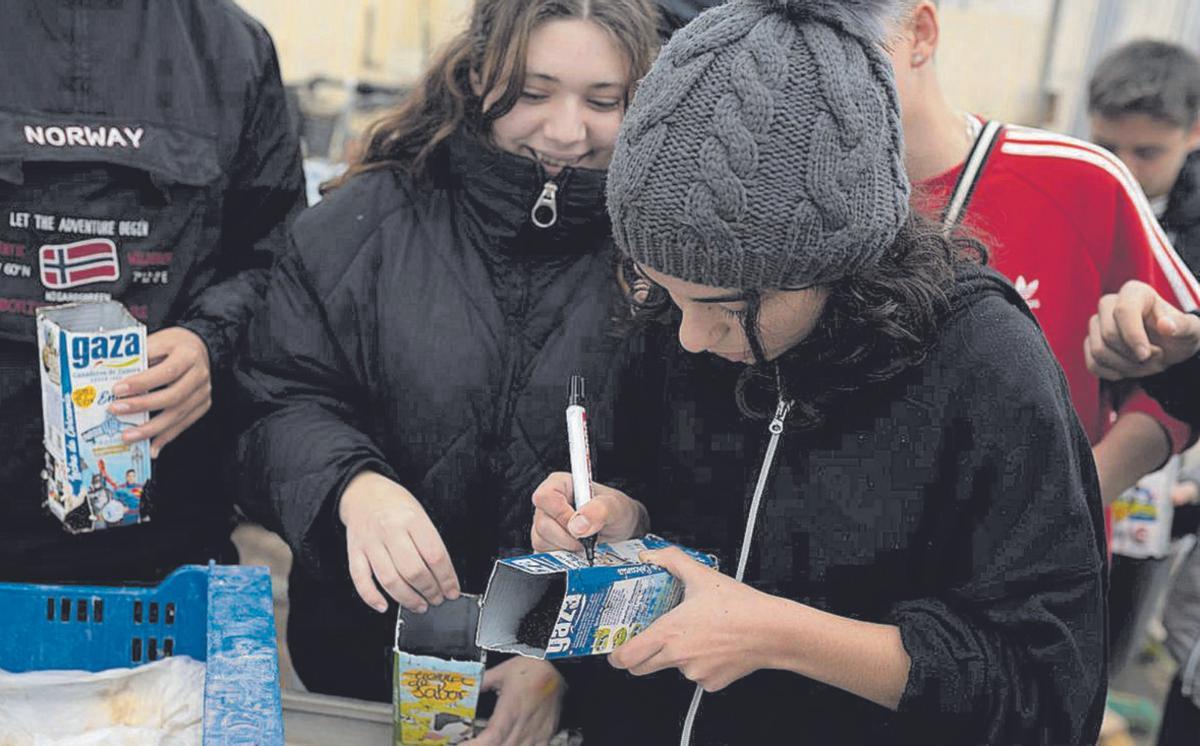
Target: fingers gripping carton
[
  {"x": 554, "y": 605},
  {"x": 94, "y": 480}
]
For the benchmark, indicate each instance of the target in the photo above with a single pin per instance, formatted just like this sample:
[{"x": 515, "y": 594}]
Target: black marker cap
[{"x": 577, "y": 391}]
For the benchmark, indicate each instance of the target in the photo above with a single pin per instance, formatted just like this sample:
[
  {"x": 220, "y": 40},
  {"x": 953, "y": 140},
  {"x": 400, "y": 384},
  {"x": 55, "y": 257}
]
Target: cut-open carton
[
  {"x": 439, "y": 673},
  {"x": 554, "y": 605},
  {"x": 94, "y": 479}
]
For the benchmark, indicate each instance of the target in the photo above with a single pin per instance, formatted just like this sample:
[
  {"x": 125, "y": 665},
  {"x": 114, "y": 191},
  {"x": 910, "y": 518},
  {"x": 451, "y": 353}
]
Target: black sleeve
[
  {"x": 265, "y": 192},
  {"x": 675, "y": 14},
  {"x": 1009, "y": 647},
  {"x": 305, "y": 412},
  {"x": 628, "y": 459},
  {"x": 1177, "y": 389}
]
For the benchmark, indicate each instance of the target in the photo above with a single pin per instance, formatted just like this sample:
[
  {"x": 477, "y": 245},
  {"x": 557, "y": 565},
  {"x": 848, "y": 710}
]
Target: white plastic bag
[{"x": 158, "y": 704}]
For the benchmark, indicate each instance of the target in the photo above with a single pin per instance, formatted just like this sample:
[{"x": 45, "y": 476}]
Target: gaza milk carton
[
  {"x": 554, "y": 605},
  {"x": 93, "y": 479},
  {"x": 438, "y": 673}
]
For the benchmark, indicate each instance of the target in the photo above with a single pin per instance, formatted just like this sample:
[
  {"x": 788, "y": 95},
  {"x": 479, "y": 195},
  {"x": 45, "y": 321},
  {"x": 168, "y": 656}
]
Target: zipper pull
[
  {"x": 545, "y": 210},
  {"x": 781, "y": 412}
]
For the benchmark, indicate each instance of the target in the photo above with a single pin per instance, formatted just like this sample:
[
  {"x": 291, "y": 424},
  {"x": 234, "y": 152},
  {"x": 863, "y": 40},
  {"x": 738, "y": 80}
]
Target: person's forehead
[
  {"x": 1136, "y": 125},
  {"x": 575, "y": 52}
]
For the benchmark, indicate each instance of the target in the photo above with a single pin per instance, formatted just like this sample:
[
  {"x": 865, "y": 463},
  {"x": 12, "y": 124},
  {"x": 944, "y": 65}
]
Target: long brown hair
[{"x": 493, "y": 47}]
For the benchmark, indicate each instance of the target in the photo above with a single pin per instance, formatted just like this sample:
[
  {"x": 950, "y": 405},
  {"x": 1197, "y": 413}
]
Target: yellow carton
[{"x": 438, "y": 673}]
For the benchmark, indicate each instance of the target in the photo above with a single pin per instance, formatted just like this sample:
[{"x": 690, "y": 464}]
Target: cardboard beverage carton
[
  {"x": 554, "y": 605},
  {"x": 438, "y": 673},
  {"x": 93, "y": 479},
  {"x": 1142, "y": 515}
]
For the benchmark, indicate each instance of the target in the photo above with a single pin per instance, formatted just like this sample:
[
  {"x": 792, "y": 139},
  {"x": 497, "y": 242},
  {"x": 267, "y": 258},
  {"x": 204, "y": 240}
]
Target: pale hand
[
  {"x": 1135, "y": 333},
  {"x": 528, "y": 703},
  {"x": 712, "y": 637},
  {"x": 1185, "y": 493},
  {"x": 390, "y": 539},
  {"x": 177, "y": 386},
  {"x": 610, "y": 515}
]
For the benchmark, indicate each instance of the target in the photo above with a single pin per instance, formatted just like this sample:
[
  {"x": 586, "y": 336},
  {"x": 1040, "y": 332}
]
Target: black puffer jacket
[
  {"x": 159, "y": 131},
  {"x": 1181, "y": 221},
  {"x": 678, "y": 13},
  {"x": 427, "y": 333},
  {"x": 958, "y": 501},
  {"x": 1178, "y": 389}
]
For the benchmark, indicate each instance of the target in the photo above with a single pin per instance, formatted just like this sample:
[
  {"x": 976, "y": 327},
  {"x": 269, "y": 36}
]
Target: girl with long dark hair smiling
[{"x": 405, "y": 378}]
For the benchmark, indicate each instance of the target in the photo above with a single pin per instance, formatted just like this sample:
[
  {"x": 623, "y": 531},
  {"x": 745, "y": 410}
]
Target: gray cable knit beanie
[{"x": 763, "y": 149}]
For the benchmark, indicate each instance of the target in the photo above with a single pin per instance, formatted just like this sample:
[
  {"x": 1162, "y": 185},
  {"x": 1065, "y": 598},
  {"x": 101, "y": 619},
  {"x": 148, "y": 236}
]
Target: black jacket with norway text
[
  {"x": 157, "y": 131},
  {"x": 427, "y": 332},
  {"x": 958, "y": 501}
]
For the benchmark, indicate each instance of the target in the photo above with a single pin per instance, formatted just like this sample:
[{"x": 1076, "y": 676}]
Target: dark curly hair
[{"x": 876, "y": 324}]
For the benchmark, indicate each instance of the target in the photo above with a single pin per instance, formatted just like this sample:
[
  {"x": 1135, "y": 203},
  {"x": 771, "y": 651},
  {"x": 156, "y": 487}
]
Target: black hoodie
[
  {"x": 1178, "y": 389},
  {"x": 958, "y": 501}
]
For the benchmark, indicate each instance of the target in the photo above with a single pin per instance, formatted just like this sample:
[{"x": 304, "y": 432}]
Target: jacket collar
[
  {"x": 497, "y": 192},
  {"x": 1183, "y": 204}
]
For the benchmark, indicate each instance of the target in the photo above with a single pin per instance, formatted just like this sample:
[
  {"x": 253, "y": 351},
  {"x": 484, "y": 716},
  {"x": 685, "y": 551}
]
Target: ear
[
  {"x": 925, "y": 30},
  {"x": 476, "y": 84}
]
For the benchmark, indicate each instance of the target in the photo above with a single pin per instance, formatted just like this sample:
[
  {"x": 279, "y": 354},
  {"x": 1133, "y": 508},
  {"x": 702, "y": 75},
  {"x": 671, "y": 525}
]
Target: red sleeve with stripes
[{"x": 1141, "y": 251}]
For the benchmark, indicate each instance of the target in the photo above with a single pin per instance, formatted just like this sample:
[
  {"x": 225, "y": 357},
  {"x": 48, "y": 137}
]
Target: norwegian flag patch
[{"x": 80, "y": 263}]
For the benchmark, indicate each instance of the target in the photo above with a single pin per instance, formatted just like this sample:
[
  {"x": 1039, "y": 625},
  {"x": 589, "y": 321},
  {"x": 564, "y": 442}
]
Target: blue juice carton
[
  {"x": 93, "y": 479},
  {"x": 554, "y": 605}
]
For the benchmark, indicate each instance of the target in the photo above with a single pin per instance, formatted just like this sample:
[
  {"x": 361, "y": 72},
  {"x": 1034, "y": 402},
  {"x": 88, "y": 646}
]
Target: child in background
[{"x": 1144, "y": 100}]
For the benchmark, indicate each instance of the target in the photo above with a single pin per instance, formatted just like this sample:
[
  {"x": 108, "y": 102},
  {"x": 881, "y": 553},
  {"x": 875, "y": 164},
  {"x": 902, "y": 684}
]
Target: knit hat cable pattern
[{"x": 763, "y": 150}]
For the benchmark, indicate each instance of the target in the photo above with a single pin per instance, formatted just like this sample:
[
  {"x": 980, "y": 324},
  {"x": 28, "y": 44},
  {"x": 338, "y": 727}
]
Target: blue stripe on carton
[{"x": 70, "y": 434}]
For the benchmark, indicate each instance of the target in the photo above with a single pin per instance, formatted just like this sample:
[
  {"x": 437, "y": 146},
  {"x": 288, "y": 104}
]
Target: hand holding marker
[{"x": 581, "y": 459}]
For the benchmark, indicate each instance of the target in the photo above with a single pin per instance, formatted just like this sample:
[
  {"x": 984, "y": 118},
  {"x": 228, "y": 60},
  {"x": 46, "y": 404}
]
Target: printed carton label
[
  {"x": 94, "y": 480},
  {"x": 601, "y": 607},
  {"x": 436, "y": 699},
  {"x": 1142, "y": 515}
]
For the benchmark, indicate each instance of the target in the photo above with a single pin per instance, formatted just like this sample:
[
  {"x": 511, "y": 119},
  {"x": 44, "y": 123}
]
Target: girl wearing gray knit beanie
[{"x": 919, "y": 557}]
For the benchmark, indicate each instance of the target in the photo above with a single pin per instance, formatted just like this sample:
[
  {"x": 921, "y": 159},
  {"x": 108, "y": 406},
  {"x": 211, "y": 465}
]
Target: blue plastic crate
[{"x": 220, "y": 614}]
